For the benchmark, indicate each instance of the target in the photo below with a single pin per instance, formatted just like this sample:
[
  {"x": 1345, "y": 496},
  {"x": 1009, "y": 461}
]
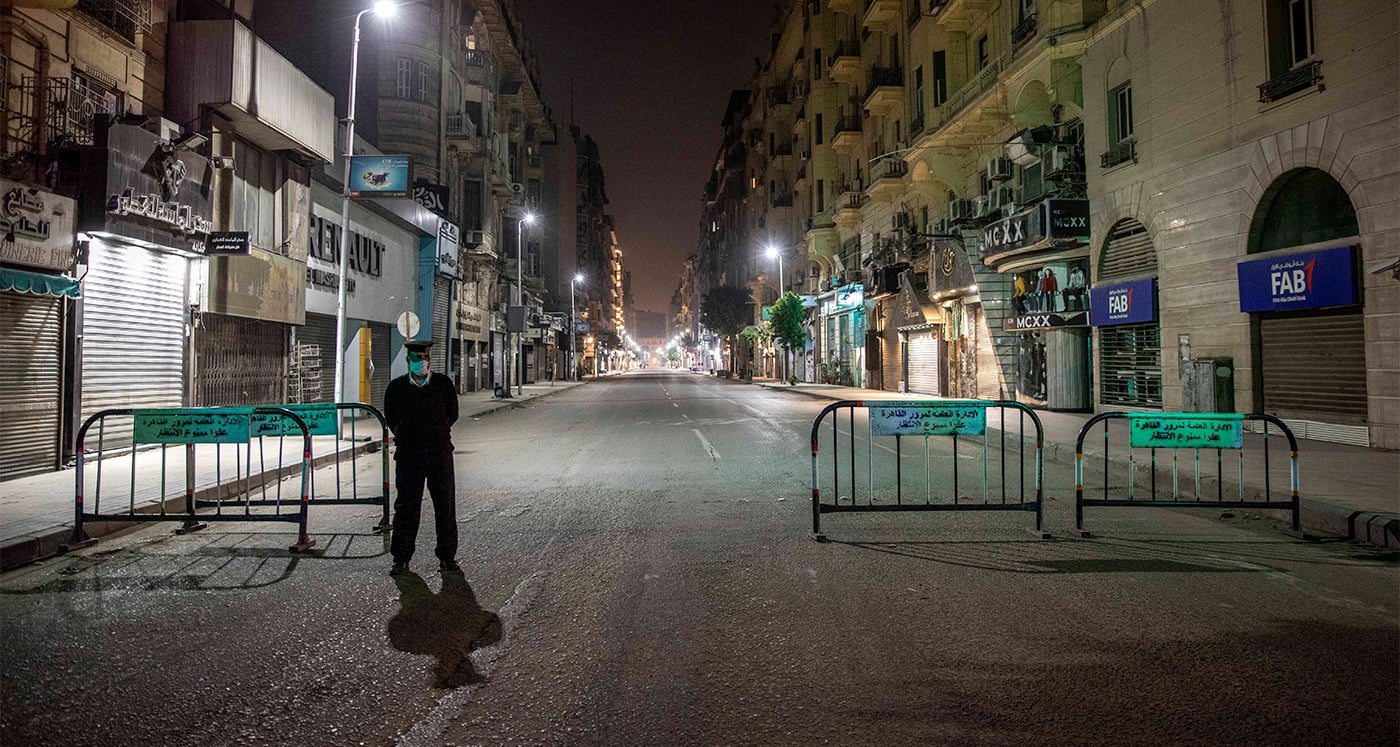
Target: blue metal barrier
[
  {"x": 960, "y": 424},
  {"x": 1216, "y": 434}
]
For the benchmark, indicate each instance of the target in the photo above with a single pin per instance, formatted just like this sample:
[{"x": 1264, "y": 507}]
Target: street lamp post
[
  {"x": 526, "y": 219},
  {"x": 383, "y": 9},
  {"x": 573, "y": 328},
  {"x": 773, "y": 253}
]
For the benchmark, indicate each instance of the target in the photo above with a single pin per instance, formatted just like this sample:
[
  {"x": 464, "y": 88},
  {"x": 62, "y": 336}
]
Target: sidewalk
[
  {"x": 36, "y": 513},
  {"x": 1347, "y": 491}
]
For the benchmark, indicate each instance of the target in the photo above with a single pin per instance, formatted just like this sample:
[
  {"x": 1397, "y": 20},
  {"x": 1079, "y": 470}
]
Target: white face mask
[{"x": 418, "y": 368}]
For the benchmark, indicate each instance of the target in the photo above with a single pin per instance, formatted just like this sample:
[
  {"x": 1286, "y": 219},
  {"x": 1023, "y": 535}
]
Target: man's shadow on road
[{"x": 448, "y": 626}]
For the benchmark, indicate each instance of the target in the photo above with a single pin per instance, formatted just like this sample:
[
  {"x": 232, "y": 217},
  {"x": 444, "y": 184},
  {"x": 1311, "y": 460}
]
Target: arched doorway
[
  {"x": 1124, "y": 316},
  {"x": 1303, "y": 294}
]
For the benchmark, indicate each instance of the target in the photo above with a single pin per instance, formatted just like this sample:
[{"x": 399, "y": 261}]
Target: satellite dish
[{"x": 408, "y": 324}]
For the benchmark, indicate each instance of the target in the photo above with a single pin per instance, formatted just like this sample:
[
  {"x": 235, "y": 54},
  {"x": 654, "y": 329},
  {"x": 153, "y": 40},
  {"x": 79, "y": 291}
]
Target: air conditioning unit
[
  {"x": 941, "y": 225},
  {"x": 1001, "y": 197},
  {"x": 981, "y": 206},
  {"x": 473, "y": 238},
  {"x": 959, "y": 210},
  {"x": 999, "y": 169},
  {"x": 806, "y": 155},
  {"x": 1061, "y": 160}
]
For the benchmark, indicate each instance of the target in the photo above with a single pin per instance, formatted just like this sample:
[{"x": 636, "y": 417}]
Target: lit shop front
[
  {"x": 1044, "y": 251},
  {"x": 843, "y": 324}
]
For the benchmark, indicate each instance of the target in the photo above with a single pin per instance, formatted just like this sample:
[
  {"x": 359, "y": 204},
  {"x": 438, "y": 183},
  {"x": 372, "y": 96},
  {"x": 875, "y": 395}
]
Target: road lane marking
[{"x": 705, "y": 442}]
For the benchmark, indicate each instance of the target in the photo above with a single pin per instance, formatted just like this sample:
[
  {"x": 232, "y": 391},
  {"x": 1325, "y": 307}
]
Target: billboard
[{"x": 379, "y": 176}]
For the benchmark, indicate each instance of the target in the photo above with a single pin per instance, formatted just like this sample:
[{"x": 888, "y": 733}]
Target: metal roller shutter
[
  {"x": 1128, "y": 253},
  {"x": 1130, "y": 356},
  {"x": 30, "y": 385},
  {"x": 442, "y": 300},
  {"x": 133, "y": 336},
  {"x": 923, "y": 363},
  {"x": 380, "y": 356},
  {"x": 1314, "y": 367}
]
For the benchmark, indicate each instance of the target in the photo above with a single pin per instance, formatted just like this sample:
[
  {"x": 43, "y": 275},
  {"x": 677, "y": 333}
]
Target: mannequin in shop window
[
  {"x": 1075, "y": 290},
  {"x": 1049, "y": 288},
  {"x": 1018, "y": 297}
]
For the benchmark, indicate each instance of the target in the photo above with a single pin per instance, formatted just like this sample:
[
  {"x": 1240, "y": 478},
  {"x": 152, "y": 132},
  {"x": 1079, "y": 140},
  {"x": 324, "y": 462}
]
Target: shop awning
[{"x": 38, "y": 284}]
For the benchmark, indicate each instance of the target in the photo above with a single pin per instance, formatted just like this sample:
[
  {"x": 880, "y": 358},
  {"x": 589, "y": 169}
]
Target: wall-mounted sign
[
  {"x": 1048, "y": 223},
  {"x": 1045, "y": 320},
  {"x": 945, "y": 418},
  {"x": 379, "y": 176},
  {"x": 845, "y": 298},
  {"x": 951, "y": 269},
  {"x": 1308, "y": 280},
  {"x": 1177, "y": 430},
  {"x": 41, "y": 225},
  {"x": 471, "y": 322},
  {"x": 431, "y": 196},
  {"x": 228, "y": 244},
  {"x": 366, "y": 254},
  {"x": 225, "y": 426},
  {"x": 1134, "y": 302},
  {"x": 320, "y": 420},
  {"x": 448, "y": 241},
  {"x": 151, "y": 192}
]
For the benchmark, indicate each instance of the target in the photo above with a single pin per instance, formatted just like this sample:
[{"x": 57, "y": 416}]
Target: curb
[
  {"x": 1315, "y": 515},
  {"x": 29, "y": 548}
]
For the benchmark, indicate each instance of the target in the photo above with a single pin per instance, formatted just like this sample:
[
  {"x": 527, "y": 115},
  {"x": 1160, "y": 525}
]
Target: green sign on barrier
[
  {"x": 185, "y": 426},
  {"x": 942, "y": 418},
  {"x": 1186, "y": 430},
  {"x": 320, "y": 421}
]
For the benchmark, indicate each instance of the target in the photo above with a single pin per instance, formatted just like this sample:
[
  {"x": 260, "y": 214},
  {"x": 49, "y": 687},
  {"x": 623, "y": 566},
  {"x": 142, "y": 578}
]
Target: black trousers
[{"x": 412, "y": 468}]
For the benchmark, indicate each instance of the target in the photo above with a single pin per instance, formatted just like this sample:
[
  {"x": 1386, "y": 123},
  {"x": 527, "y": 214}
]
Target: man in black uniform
[{"x": 420, "y": 409}]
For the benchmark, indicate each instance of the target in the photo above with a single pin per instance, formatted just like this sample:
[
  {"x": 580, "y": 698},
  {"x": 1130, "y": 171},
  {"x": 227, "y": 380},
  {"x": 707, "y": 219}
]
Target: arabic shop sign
[
  {"x": 1044, "y": 224},
  {"x": 431, "y": 196},
  {"x": 1134, "y": 302},
  {"x": 845, "y": 298},
  {"x": 153, "y": 193},
  {"x": 449, "y": 239},
  {"x": 42, "y": 226},
  {"x": 943, "y": 418},
  {"x": 1308, "y": 280},
  {"x": 1186, "y": 431}
]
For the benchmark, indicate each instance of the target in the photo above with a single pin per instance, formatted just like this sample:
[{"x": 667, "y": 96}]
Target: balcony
[
  {"x": 783, "y": 200},
  {"x": 474, "y": 58},
  {"x": 461, "y": 127},
  {"x": 1124, "y": 151},
  {"x": 972, "y": 90},
  {"x": 820, "y": 222},
  {"x": 916, "y": 125},
  {"x": 887, "y": 180},
  {"x": 844, "y": 64},
  {"x": 881, "y": 15},
  {"x": 126, "y": 18},
  {"x": 478, "y": 245},
  {"x": 1299, "y": 79},
  {"x": 962, "y": 15},
  {"x": 849, "y": 7},
  {"x": 1023, "y": 31},
  {"x": 849, "y": 212},
  {"x": 847, "y": 136},
  {"x": 885, "y": 94}
]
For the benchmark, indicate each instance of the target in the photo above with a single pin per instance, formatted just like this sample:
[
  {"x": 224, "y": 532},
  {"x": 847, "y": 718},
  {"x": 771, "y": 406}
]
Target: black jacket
[{"x": 421, "y": 417}]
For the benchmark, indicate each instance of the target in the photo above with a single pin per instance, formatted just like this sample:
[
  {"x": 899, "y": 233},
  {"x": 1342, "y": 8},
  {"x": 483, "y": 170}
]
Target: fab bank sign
[
  {"x": 1125, "y": 303},
  {"x": 1308, "y": 280}
]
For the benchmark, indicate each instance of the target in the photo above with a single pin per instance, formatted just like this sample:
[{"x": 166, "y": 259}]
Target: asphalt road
[{"x": 639, "y": 570}]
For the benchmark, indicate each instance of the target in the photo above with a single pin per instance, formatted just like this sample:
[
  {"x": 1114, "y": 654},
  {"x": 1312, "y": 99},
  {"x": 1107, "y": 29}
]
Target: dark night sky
[{"x": 651, "y": 80}]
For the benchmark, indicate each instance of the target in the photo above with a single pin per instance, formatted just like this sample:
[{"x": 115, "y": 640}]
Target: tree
[
  {"x": 725, "y": 309},
  {"x": 785, "y": 317}
]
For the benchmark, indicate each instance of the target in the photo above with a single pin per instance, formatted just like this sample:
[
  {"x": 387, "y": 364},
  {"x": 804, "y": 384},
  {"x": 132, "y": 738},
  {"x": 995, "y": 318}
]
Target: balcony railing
[
  {"x": 474, "y": 57},
  {"x": 1124, "y": 151},
  {"x": 461, "y": 125},
  {"x": 848, "y": 123},
  {"x": 916, "y": 125},
  {"x": 974, "y": 88},
  {"x": 1304, "y": 77},
  {"x": 783, "y": 200},
  {"x": 124, "y": 17},
  {"x": 891, "y": 168},
  {"x": 884, "y": 76},
  {"x": 1023, "y": 31}
]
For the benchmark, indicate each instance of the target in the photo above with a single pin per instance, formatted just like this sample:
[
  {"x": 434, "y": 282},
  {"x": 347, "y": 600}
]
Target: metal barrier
[
  {"x": 962, "y": 422},
  {"x": 1196, "y": 432},
  {"x": 191, "y": 428},
  {"x": 328, "y": 420}
]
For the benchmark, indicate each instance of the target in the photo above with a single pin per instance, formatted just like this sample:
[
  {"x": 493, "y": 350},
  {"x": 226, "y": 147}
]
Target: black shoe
[
  {"x": 398, "y": 569},
  {"x": 448, "y": 565}
]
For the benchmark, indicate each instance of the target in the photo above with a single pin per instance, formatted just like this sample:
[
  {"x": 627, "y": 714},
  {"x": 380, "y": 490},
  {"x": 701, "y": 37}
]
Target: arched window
[{"x": 1304, "y": 206}]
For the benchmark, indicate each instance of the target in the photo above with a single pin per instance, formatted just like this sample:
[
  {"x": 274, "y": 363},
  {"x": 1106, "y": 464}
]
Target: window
[
  {"x": 422, "y": 81},
  {"x": 982, "y": 52},
  {"x": 1027, "y": 9},
  {"x": 471, "y": 41},
  {"x": 821, "y": 195},
  {"x": 772, "y": 144},
  {"x": 1290, "y": 33},
  {"x": 821, "y": 135},
  {"x": 403, "y": 87},
  {"x": 256, "y": 186},
  {"x": 817, "y": 64},
  {"x": 940, "y": 77},
  {"x": 919, "y": 90},
  {"x": 471, "y": 205},
  {"x": 1120, "y": 113}
]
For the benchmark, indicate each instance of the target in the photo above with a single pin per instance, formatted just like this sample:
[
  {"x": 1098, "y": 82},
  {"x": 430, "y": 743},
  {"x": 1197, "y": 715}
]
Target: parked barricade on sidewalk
[
  {"x": 1008, "y": 480},
  {"x": 1195, "y": 433},
  {"x": 191, "y": 428},
  {"x": 336, "y": 420}
]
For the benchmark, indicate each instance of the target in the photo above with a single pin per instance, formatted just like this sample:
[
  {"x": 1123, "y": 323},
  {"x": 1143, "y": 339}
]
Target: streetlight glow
[{"x": 386, "y": 8}]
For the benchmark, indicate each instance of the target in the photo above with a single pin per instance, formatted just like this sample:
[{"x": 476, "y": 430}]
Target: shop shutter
[
  {"x": 381, "y": 357},
  {"x": 1314, "y": 367},
  {"x": 923, "y": 363},
  {"x": 1130, "y": 366},
  {"x": 240, "y": 362},
  {"x": 891, "y": 359},
  {"x": 442, "y": 299},
  {"x": 133, "y": 334},
  {"x": 1128, "y": 253},
  {"x": 30, "y": 384}
]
